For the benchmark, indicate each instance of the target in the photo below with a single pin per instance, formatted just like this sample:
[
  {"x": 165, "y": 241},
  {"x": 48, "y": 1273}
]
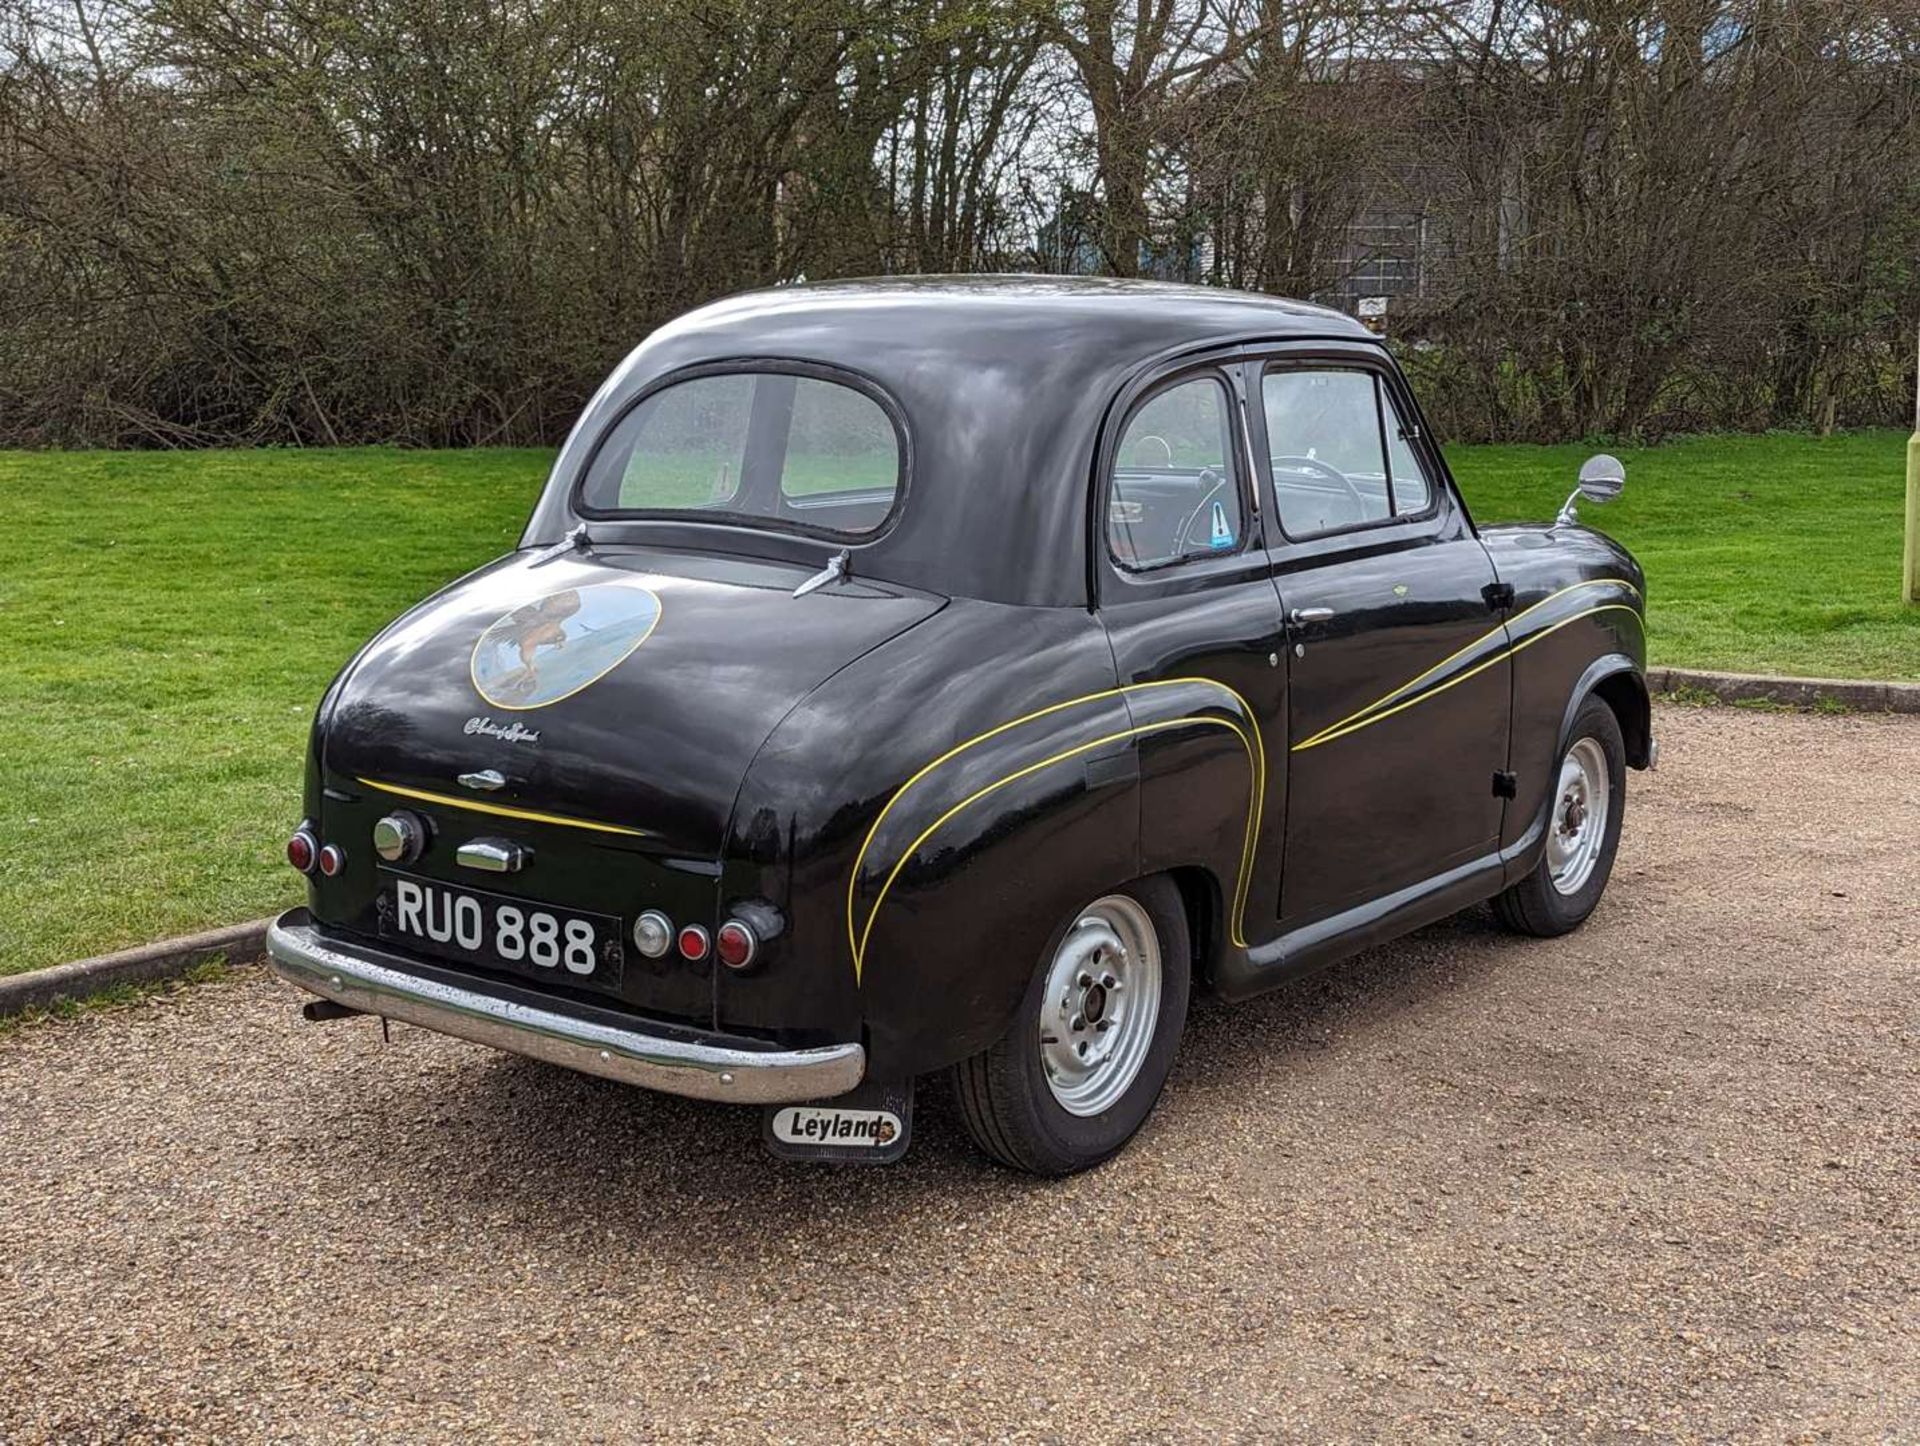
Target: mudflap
[{"x": 869, "y": 1125}]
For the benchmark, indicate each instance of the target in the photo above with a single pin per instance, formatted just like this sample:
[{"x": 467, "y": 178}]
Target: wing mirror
[{"x": 1602, "y": 478}]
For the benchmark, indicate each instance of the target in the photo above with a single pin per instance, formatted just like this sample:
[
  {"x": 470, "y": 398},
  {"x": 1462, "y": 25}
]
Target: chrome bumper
[{"x": 377, "y": 983}]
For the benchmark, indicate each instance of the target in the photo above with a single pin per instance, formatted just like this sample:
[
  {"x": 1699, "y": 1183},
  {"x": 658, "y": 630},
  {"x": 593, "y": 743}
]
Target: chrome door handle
[{"x": 1309, "y": 615}]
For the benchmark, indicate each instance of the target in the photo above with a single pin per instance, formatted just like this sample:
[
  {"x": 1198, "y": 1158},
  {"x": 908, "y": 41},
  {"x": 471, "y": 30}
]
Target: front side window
[
  {"x": 1175, "y": 491},
  {"x": 1339, "y": 451},
  {"x": 767, "y": 446}
]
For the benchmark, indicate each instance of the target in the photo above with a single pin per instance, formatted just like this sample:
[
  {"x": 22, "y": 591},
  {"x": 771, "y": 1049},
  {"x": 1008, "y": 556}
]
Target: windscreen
[{"x": 796, "y": 450}]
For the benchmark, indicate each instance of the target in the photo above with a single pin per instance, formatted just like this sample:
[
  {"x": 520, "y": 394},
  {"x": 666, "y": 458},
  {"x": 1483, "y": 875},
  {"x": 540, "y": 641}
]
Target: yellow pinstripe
[
  {"x": 1334, "y": 729},
  {"x": 1337, "y": 731},
  {"x": 857, "y": 937},
  {"x": 501, "y": 810},
  {"x": 1191, "y": 721}
]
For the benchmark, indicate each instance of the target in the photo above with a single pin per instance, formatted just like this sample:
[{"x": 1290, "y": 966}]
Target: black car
[{"x": 952, "y": 674}]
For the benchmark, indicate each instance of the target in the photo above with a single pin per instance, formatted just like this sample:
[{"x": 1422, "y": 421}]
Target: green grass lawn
[
  {"x": 169, "y": 622},
  {"x": 170, "y": 619},
  {"x": 1763, "y": 554}
]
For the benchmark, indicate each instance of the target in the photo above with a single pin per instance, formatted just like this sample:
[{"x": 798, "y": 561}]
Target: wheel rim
[
  {"x": 1100, "y": 1005},
  {"x": 1580, "y": 809}
]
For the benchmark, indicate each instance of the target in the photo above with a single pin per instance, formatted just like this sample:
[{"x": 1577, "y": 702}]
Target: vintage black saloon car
[{"x": 952, "y": 675}]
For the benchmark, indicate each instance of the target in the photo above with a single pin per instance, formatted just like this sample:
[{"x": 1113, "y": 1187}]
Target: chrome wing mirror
[{"x": 1602, "y": 478}]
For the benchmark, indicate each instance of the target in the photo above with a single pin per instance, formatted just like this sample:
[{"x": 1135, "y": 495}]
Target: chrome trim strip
[{"x": 359, "y": 980}]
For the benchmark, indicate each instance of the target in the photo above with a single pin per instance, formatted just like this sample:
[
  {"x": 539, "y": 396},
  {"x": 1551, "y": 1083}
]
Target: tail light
[
  {"x": 694, "y": 943},
  {"x": 736, "y": 944},
  {"x": 332, "y": 859},
  {"x": 303, "y": 849}
]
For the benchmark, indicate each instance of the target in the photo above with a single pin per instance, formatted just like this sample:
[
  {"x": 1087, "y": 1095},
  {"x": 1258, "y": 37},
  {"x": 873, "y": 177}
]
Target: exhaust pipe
[{"x": 315, "y": 1011}]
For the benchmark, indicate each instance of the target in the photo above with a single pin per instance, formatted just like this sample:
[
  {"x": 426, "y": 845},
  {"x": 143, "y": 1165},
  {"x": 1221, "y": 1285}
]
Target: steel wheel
[
  {"x": 1099, "y": 1005},
  {"x": 1036, "y": 1099},
  {"x": 1579, "y": 825}
]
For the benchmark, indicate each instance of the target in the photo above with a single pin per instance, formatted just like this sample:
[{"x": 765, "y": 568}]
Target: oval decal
[{"x": 554, "y": 646}]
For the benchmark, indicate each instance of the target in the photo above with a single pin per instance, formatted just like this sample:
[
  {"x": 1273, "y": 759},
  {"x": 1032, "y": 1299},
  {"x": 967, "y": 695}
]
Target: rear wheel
[
  {"x": 1583, "y": 831},
  {"x": 1093, "y": 1042}
]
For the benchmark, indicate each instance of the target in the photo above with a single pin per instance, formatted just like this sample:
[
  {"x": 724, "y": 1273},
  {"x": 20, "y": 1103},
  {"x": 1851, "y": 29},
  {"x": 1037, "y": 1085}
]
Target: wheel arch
[
  {"x": 1617, "y": 681},
  {"x": 972, "y": 866},
  {"x": 1623, "y": 688},
  {"x": 1035, "y": 886},
  {"x": 962, "y": 885},
  {"x": 1204, "y": 900}
]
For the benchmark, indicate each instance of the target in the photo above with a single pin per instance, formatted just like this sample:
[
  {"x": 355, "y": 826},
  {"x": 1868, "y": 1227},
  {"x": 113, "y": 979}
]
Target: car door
[
  {"x": 1181, "y": 578},
  {"x": 1398, "y": 691}
]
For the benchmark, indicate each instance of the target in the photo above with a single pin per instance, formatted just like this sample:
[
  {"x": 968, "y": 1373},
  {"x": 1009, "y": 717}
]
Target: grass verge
[{"x": 116, "y": 996}]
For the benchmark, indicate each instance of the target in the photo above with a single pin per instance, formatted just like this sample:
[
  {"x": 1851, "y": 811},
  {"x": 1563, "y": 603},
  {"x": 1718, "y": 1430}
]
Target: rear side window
[
  {"x": 1175, "y": 491},
  {"x": 761, "y": 446},
  {"x": 1339, "y": 450}
]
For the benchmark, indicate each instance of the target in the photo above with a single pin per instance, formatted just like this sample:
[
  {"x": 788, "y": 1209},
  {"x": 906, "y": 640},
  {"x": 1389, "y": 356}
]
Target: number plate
[{"x": 516, "y": 936}]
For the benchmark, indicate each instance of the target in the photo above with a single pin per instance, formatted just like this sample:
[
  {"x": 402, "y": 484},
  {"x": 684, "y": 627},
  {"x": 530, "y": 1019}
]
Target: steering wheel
[{"x": 1314, "y": 464}]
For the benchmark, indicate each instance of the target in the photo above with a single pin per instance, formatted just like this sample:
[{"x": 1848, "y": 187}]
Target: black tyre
[
  {"x": 1583, "y": 830},
  {"x": 1092, "y": 1045}
]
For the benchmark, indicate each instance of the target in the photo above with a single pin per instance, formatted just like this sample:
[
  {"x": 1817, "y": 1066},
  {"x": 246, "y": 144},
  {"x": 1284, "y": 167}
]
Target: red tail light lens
[
  {"x": 736, "y": 944},
  {"x": 694, "y": 942},
  {"x": 332, "y": 860},
  {"x": 302, "y": 850}
]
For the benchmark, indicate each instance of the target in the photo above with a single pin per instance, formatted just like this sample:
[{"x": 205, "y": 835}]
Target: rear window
[{"x": 761, "y": 446}]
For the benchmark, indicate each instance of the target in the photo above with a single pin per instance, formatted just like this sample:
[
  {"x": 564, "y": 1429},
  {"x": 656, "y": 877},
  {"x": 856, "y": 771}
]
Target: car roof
[
  {"x": 1123, "y": 310},
  {"x": 1003, "y": 381}
]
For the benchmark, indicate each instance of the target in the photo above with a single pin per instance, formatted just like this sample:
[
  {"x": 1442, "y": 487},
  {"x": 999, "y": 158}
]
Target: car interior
[
  {"x": 1336, "y": 439},
  {"x": 1157, "y": 514},
  {"x": 797, "y": 449},
  {"x": 1341, "y": 458}
]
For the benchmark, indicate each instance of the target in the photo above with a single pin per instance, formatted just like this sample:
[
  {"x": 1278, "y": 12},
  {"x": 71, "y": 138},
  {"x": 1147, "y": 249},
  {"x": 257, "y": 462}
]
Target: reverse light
[
  {"x": 653, "y": 933},
  {"x": 736, "y": 944},
  {"x": 332, "y": 859},
  {"x": 303, "y": 849},
  {"x": 694, "y": 943}
]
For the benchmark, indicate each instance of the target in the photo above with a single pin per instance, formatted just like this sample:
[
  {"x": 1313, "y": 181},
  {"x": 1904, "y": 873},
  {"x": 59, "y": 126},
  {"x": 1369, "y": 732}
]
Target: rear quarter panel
[
  {"x": 925, "y": 941},
  {"x": 946, "y": 803}
]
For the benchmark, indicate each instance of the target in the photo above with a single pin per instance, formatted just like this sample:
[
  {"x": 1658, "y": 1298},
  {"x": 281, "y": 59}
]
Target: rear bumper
[{"x": 375, "y": 982}]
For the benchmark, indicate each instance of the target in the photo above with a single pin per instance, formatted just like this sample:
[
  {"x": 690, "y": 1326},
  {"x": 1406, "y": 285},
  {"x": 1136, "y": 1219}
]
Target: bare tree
[
  {"x": 1137, "y": 64},
  {"x": 439, "y": 221}
]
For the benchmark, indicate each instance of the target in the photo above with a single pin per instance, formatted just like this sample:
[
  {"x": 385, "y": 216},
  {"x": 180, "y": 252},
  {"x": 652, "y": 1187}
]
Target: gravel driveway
[{"x": 1658, "y": 1177}]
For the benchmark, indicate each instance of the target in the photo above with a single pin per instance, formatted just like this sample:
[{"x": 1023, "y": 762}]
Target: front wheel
[
  {"x": 1093, "y": 1042},
  {"x": 1583, "y": 831}
]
